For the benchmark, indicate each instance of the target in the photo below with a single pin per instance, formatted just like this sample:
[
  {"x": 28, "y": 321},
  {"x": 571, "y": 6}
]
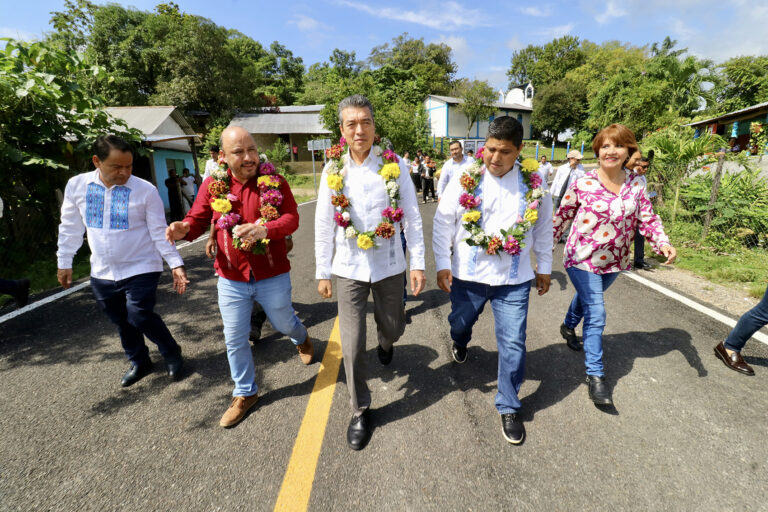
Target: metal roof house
[
  {"x": 295, "y": 125},
  {"x": 446, "y": 120},
  {"x": 734, "y": 124},
  {"x": 169, "y": 136}
]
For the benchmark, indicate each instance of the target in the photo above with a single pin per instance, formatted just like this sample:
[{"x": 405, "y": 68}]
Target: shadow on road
[{"x": 559, "y": 370}]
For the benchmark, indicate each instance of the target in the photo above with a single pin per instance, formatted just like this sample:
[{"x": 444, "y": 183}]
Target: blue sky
[{"x": 483, "y": 35}]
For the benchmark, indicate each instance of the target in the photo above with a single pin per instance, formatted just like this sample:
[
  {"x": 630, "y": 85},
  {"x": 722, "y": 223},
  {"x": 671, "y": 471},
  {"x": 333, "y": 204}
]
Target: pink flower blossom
[
  {"x": 520, "y": 219},
  {"x": 535, "y": 180},
  {"x": 512, "y": 246},
  {"x": 393, "y": 214},
  {"x": 232, "y": 198},
  {"x": 227, "y": 221},
  {"x": 342, "y": 141},
  {"x": 340, "y": 220},
  {"x": 273, "y": 197},
  {"x": 479, "y": 153},
  {"x": 221, "y": 160},
  {"x": 266, "y": 168},
  {"x": 469, "y": 201},
  {"x": 390, "y": 156},
  {"x": 533, "y": 204}
]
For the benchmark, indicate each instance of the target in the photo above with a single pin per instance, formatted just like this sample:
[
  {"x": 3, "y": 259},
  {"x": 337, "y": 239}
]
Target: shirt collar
[{"x": 93, "y": 177}]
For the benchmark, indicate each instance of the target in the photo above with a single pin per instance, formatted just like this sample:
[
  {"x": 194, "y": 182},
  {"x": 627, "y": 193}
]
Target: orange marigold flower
[{"x": 269, "y": 212}]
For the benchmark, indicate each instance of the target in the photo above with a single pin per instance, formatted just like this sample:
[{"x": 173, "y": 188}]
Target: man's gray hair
[{"x": 355, "y": 101}]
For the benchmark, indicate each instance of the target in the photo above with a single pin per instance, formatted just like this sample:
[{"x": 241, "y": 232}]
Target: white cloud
[
  {"x": 450, "y": 15},
  {"x": 610, "y": 12},
  {"x": 537, "y": 11},
  {"x": 494, "y": 75},
  {"x": 18, "y": 34},
  {"x": 462, "y": 53},
  {"x": 515, "y": 44},
  {"x": 559, "y": 31},
  {"x": 304, "y": 23}
]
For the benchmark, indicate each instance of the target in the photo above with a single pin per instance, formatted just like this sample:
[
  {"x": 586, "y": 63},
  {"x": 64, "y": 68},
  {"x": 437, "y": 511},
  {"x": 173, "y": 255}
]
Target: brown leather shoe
[
  {"x": 733, "y": 361},
  {"x": 306, "y": 351},
  {"x": 237, "y": 409}
]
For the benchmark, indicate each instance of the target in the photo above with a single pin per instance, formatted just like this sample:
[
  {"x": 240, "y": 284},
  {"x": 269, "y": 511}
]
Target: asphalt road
[{"x": 686, "y": 433}]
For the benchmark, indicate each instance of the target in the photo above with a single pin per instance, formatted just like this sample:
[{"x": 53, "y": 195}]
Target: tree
[
  {"x": 558, "y": 107},
  {"x": 546, "y": 64},
  {"x": 477, "y": 102},
  {"x": 47, "y": 125},
  {"x": 744, "y": 83},
  {"x": 432, "y": 63}
]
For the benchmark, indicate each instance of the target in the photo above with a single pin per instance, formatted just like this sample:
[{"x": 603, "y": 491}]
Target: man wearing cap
[{"x": 565, "y": 176}]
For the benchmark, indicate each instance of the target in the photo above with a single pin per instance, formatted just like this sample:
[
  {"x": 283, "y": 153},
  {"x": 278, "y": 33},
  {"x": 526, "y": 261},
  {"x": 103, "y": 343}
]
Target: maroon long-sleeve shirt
[{"x": 233, "y": 263}]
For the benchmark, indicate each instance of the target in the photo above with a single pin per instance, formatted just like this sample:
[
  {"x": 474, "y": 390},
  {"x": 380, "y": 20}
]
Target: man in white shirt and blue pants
[
  {"x": 473, "y": 277},
  {"x": 378, "y": 270},
  {"x": 125, "y": 221}
]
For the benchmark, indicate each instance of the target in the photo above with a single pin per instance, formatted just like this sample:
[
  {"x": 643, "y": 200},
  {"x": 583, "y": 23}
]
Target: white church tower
[{"x": 520, "y": 94}]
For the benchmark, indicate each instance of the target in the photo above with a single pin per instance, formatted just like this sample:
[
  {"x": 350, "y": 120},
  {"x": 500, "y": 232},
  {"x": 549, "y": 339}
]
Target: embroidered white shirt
[
  {"x": 501, "y": 204},
  {"x": 564, "y": 178},
  {"x": 125, "y": 226},
  {"x": 365, "y": 189},
  {"x": 451, "y": 168}
]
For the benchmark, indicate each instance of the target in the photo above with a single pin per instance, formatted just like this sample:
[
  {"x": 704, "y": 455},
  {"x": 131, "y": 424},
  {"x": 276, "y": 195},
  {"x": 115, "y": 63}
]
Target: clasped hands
[{"x": 179, "y": 229}]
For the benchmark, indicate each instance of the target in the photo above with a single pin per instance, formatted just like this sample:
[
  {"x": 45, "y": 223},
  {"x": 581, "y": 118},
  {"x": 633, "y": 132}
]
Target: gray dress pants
[{"x": 389, "y": 314}]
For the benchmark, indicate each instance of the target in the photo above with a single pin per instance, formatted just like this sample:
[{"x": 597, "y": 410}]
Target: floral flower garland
[
  {"x": 390, "y": 171},
  {"x": 221, "y": 201},
  {"x": 510, "y": 240}
]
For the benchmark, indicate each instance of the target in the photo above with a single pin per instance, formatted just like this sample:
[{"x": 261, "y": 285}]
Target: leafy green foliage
[
  {"x": 544, "y": 65},
  {"x": 477, "y": 98},
  {"x": 744, "y": 83},
  {"x": 279, "y": 153},
  {"x": 47, "y": 125},
  {"x": 558, "y": 106}
]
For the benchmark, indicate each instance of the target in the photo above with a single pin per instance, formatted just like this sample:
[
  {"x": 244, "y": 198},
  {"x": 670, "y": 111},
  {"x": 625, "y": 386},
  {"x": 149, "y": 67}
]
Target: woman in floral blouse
[{"x": 603, "y": 209}]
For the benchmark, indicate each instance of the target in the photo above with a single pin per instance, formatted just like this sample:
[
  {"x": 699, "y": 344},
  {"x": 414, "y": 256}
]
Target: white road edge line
[
  {"x": 78, "y": 287},
  {"x": 692, "y": 304}
]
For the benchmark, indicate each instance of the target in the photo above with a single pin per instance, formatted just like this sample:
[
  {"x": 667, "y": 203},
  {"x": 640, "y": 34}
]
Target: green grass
[
  {"x": 303, "y": 198},
  {"x": 742, "y": 268}
]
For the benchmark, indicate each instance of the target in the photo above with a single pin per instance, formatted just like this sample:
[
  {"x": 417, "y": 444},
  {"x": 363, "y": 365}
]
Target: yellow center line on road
[{"x": 297, "y": 483}]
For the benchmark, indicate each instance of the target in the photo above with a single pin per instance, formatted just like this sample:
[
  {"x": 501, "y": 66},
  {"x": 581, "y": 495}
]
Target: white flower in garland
[
  {"x": 376, "y": 150},
  {"x": 350, "y": 232},
  {"x": 392, "y": 188}
]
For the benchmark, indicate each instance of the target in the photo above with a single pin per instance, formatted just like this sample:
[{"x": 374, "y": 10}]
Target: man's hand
[
  {"x": 180, "y": 280},
  {"x": 670, "y": 252},
  {"x": 542, "y": 283},
  {"x": 325, "y": 288},
  {"x": 444, "y": 280},
  {"x": 210, "y": 248},
  {"x": 253, "y": 231},
  {"x": 418, "y": 280},
  {"x": 176, "y": 231},
  {"x": 64, "y": 275}
]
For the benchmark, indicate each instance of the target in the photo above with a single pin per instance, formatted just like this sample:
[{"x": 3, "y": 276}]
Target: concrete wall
[
  {"x": 448, "y": 121},
  {"x": 437, "y": 112}
]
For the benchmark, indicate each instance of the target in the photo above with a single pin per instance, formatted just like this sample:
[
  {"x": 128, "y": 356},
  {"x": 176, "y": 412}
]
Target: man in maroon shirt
[{"x": 245, "y": 277}]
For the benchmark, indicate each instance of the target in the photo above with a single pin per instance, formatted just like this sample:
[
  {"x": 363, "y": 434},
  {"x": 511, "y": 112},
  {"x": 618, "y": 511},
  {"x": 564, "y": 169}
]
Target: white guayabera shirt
[
  {"x": 365, "y": 189},
  {"x": 501, "y": 203},
  {"x": 450, "y": 169}
]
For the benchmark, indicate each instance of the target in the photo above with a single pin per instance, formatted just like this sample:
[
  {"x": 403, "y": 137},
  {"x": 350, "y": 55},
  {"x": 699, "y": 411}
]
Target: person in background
[
  {"x": 16, "y": 288},
  {"x": 602, "y": 210},
  {"x": 565, "y": 176},
  {"x": 187, "y": 183},
  {"x": 124, "y": 219},
  {"x": 173, "y": 183},
  {"x": 212, "y": 163},
  {"x": 428, "y": 179},
  {"x": 639, "y": 165},
  {"x": 453, "y": 167},
  {"x": 415, "y": 170},
  {"x": 546, "y": 169}
]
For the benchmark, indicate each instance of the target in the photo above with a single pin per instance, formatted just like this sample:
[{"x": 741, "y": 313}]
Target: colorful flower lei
[
  {"x": 510, "y": 240},
  {"x": 221, "y": 201},
  {"x": 389, "y": 172}
]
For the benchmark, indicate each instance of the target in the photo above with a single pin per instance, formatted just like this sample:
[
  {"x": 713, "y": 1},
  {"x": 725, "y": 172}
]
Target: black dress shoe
[
  {"x": 459, "y": 353},
  {"x": 570, "y": 338},
  {"x": 359, "y": 431},
  {"x": 385, "y": 357},
  {"x": 641, "y": 265},
  {"x": 512, "y": 428},
  {"x": 598, "y": 390},
  {"x": 136, "y": 373},
  {"x": 733, "y": 361},
  {"x": 174, "y": 367}
]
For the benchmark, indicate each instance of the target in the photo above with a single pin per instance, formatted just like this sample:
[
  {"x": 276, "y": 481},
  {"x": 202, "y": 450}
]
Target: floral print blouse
[{"x": 604, "y": 223}]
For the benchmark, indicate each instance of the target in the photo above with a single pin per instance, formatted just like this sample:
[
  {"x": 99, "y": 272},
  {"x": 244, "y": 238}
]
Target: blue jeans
[
  {"x": 130, "y": 304},
  {"x": 236, "y": 303},
  {"x": 510, "y": 313},
  {"x": 749, "y": 323},
  {"x": 588, "y": 303}
]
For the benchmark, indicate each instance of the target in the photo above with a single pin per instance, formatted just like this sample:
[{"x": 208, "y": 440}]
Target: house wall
[
  {"x": 159, "y": 158},
  {"x": 437, "y": 111}
]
